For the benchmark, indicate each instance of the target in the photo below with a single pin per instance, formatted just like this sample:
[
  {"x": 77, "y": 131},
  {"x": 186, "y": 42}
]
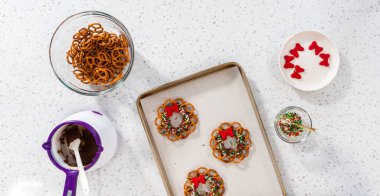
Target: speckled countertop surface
[{"x": 174, "y": 39}]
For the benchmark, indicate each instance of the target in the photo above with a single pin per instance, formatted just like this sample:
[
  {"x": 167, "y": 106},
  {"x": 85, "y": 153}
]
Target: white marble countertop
[{"x": 174, "y": 39}]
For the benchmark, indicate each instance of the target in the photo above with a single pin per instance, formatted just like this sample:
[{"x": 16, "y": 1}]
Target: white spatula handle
[{"x": 82, "y": 174}]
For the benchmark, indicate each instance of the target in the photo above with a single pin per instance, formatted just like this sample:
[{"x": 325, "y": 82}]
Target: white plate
[{"x": 315, "y": 76}]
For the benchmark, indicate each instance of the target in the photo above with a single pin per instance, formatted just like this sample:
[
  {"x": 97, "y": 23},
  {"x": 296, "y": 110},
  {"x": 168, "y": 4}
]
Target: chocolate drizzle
[{"x": 87, "y": 148}]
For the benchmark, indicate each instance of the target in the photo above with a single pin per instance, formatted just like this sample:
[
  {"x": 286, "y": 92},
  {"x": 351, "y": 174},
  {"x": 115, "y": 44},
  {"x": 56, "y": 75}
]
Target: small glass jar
[{"x": 306, "y": 120}]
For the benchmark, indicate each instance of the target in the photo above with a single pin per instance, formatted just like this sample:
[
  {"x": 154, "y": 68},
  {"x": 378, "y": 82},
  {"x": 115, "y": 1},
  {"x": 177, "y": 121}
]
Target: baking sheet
[{"x": 220, "y": 96}]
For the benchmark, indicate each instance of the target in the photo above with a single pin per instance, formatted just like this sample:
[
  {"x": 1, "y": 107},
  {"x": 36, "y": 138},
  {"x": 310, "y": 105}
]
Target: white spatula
[{"x": 74, "y": 145}]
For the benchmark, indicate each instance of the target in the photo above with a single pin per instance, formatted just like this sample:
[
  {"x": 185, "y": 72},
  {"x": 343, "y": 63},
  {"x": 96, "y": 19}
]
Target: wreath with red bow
[
  {"x": 189, "y": 119},
  {"x": 239, "y": 150},
  {"x": 202, "y": 176}
]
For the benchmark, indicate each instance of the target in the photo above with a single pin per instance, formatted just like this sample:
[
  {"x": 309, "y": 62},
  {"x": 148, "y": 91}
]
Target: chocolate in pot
[{"x": 87, "y": 148}]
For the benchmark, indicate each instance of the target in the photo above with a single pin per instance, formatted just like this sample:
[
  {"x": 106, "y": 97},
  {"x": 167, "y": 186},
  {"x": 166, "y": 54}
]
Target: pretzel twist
[{"x": 97, "y": 56}]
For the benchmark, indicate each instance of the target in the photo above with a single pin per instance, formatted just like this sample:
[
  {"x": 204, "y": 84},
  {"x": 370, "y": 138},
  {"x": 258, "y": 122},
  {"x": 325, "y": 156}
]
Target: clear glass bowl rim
[{"x": 125, "y": 31}]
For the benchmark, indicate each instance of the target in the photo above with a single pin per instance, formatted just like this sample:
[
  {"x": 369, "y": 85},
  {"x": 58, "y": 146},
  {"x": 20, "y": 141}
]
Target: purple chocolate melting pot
[{"x": 72, "y": 174}]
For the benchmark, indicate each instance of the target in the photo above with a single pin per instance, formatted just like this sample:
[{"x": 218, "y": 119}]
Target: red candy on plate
[
  {"x": 295, "y": 52},
  {"x": 288, "y": 58},
  {"x": 325, "y": 61},
  {"x": 296, "y": 75},
  {"x": 296, "y": 49},
  {"x": 299, "y": 69},
  {"x": 314, "y": 46},
  {"x": 288, "y": 63}
]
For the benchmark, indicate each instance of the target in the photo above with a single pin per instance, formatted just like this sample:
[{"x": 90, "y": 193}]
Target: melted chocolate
[{"x": 87, "y": 147}]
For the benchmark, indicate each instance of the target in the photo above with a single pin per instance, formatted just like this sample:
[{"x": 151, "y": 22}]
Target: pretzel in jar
[
  {"x": 203, "y": 182},
  {"x": 230, "y": 142},
  {"x": 176, "y": 119}
]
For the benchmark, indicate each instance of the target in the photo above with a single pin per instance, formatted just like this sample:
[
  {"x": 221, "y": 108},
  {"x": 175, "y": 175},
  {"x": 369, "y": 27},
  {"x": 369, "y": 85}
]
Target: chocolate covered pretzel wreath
[
  {"x": 203, "y": 182},
  {"x": 176, "y": 119},
  {"x": 230, "y": 142}
]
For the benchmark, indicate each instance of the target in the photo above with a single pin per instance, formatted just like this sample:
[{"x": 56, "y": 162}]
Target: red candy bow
[
  {"x": 315, "y": 46},
  {"x": 296, "y": 49},
  {"x": 288, "y": 60},
  {"x": 197, "y": 180},
  {"x": 170, "y": 109},
  {"x": 296, "y": 73},
  {"x": 325, "y": 58},
  {"x": 225, "y": 133},
  {"x": 299, "y": 69}
]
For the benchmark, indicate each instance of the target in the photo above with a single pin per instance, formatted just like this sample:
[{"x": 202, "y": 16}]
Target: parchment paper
[{"x": 218, "y": 97}]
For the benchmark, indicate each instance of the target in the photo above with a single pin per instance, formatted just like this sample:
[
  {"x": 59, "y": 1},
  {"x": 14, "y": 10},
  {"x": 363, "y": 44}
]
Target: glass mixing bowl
[
  {"x": 306, "y": 120},
  {"x": 61, "y": 43}
]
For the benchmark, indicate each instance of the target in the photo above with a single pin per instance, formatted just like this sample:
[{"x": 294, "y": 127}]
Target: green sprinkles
[{"x": 288, "y": 124}]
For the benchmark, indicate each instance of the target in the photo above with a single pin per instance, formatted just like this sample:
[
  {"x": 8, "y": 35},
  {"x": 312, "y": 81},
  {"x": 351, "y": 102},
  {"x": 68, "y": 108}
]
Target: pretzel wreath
[
  {"x": 97, "y": 56},
  {"x": 203, "y": 175},
  {"x": 189, "y": 119},
  {"x": 240, "y": 149}
]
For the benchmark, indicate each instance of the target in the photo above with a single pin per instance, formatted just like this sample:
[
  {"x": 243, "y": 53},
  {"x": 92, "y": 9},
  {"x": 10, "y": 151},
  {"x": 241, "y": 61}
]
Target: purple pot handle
[{"x": 70, "y": 183}]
